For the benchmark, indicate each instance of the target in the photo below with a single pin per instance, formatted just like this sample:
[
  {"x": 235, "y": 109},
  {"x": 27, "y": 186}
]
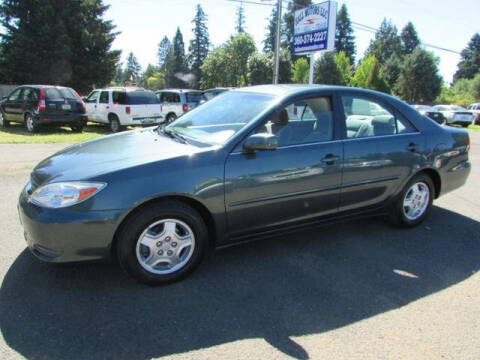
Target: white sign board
[{"x": 314, "y": 28}]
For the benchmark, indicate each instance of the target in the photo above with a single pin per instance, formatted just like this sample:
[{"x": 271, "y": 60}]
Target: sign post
[{"x": 314, "y": 30}]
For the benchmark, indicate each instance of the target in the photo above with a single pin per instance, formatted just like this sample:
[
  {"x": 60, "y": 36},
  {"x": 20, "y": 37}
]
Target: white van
[{"x": 120, "y": 107}]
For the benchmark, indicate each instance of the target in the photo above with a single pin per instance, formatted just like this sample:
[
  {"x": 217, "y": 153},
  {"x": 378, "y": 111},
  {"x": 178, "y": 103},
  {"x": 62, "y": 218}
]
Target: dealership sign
[{"x": 314, "y": 28}]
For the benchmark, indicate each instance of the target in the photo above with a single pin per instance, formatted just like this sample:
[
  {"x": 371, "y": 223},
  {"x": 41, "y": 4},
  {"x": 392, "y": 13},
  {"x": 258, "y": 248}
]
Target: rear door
[
  {"x": 30, "y": 99},
  {"x": 13, "y": 106},
  {"x": 381, "y": 150},
  {"x": 91, "y": 103}
]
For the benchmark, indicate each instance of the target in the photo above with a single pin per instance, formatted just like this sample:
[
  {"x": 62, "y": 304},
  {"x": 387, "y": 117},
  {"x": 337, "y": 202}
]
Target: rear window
[
  {"x": 119, "y": 97},
  {"x": 141, "y": 97},
  {"x": 59, "y": 93},
  {"x": 194, "y": 97}
]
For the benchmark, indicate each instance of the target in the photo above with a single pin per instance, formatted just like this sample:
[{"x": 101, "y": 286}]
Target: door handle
[
  {"x": 95, "y": 106},
  {"x": 412, "y": 147},
  {"x": 108, "y": 107},
  {"x": 330, "y": 159}
]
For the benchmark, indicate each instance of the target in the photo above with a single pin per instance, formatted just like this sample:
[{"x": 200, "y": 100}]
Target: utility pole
[{"x": 277, "y": 41}]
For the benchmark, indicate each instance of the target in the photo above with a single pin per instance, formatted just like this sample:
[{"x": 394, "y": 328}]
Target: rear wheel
[
  {"x": 414, "y": 202},
  {"x": 31, "y": 124},
  {"x": 114, "y": 124},
  {"x": 162, "y": 243},
  {"x": 171, "y": 118},
  {"x": 78, "y": 128}
]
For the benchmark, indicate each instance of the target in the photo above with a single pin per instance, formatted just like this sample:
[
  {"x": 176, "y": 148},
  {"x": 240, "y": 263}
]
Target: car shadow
[{"x": 305, "y": 283}]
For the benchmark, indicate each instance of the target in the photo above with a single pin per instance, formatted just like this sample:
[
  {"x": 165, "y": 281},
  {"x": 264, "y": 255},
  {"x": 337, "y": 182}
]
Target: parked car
[
  {"x": 40, "y": 105},
  {"x": 475, "y": 110},
  {"x": 176, "y": 102},
  {"x": 122, "y": 106},
  {"x": 235, "y": 169},
  {"x": 455, "y": 115},
  {"x": 211, "y": 93},
  {"x": 431, "y": 113}
]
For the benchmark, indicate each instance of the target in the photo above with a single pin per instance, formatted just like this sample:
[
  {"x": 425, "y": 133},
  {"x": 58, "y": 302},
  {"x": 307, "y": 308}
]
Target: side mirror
[{"x": 264, "y": 141}]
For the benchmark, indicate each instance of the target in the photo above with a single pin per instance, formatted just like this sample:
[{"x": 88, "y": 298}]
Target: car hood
[{"x": 109, "y": 153}]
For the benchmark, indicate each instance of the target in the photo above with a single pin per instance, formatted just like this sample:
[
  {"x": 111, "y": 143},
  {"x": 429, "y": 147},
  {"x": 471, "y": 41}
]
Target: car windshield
[{"x": 219, "y": 119}]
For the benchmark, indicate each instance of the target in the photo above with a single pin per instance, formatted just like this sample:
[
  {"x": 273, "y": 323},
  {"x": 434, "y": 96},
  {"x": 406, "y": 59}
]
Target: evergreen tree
[
  {"x": 469, "y": 64},
  {"x": 344, "y": 37},
  {"x": 409, "y": 37},
  {"x": 148, "y": 73},
  {"x": 419, "y": 81},
  {"x": 269, "y": 41},
  {"x": 391, "y": 70},
  {"x": 176, "y": 72},
  {"x": 39, "y": 50},
  {"x": 119, "y": 78},
  {"x": 162, "y": 52},
  {"x": 386, "y": 43},
  {"x": 368, "y": 75},
  {"x": 132, "y": 69},
  {"x": 240, "y": 26},
  {"x": 289, "y": 19},
  {"x": 199, "y": 45}
]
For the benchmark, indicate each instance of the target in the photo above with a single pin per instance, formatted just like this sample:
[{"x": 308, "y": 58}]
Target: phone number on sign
[{"x": 315, "y": 37}]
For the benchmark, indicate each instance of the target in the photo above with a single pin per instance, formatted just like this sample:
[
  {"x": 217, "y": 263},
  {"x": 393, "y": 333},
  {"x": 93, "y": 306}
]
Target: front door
[
  {"x": 381, "y": 149},
  {"x": 103, "y": 107},
  {"x": 91, "y": 104},
  {"x": 298, "y": 181},
  {"x": 13, "y": 106}
]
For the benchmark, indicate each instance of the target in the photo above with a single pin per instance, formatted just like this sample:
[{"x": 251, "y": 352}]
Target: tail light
[
  {"x": 127, "y": 110},
  {"x": 468, "y": 142},
  {"x": 82, "y": 104},
  {"x": 41, "y": 101},
  {"x": 185, "y": 107}
]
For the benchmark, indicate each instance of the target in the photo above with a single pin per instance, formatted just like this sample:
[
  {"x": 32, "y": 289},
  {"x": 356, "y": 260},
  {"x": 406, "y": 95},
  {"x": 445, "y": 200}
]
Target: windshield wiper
[{"x": 174, "y": 135}]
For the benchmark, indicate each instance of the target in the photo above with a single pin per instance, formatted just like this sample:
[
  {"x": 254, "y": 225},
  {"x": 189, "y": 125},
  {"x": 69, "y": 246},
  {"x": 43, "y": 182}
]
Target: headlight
[{"x": 59, "y": 195}]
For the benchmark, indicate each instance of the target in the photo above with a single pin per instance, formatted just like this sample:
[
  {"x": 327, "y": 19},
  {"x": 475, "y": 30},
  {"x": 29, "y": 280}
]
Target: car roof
[
  {"x": 36, "y": 86},
  {"x": 122, "y": 88},
  {"x": 179, "y": 90}
]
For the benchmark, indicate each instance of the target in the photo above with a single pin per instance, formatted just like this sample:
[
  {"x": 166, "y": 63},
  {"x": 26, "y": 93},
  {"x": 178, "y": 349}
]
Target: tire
[
  {"x": 77, "y": 128},
  {"x": 174, "y": 259},
  {"x": 171, "y": 118},
  {"x": 403, "y": 215},
  {"x": 30, "y": 124},
  {"x": 3, "y": 122},
  {"x": 115, "y": 125}
]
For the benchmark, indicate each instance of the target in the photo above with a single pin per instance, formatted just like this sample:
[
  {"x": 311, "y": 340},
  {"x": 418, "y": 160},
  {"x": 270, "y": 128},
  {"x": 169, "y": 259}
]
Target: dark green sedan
[{"x": 251, "y": 163}]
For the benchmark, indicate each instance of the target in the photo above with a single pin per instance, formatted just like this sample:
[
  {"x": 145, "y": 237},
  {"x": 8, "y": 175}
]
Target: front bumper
[{"x": 67, "y": 235}]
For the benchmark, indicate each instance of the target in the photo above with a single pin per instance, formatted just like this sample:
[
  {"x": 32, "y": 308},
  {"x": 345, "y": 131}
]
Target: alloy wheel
[
  {"x": 416, "y": 201},
  {"x": 165, "y": 246},
  {"x": 29, "y": 123}
]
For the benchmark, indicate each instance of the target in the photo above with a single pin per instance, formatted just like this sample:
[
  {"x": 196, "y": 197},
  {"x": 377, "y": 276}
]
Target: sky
[{"x": 143, "y": 23}]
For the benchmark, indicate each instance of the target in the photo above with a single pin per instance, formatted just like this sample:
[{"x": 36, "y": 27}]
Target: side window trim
[{"x": 376, "y": 100}]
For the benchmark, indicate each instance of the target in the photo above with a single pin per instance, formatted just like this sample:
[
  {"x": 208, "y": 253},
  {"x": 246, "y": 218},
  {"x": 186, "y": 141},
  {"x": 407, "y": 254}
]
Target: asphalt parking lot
[{"x": 352, "y": 290}]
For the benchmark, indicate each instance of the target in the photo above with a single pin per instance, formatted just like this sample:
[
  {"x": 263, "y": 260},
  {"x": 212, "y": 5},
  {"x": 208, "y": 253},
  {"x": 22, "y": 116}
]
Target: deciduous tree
[{"x": 368, "y": 75}]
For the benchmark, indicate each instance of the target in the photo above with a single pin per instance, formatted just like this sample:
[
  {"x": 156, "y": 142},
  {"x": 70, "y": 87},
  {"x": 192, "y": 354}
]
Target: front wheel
[
  {"x": 162, "y": 243},
  {"x": 413, "y": 204},
  {"x": 3, "y": 122}
]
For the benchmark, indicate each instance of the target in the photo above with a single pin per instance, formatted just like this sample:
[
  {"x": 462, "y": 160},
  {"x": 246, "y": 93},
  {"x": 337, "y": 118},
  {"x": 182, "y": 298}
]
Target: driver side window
[
  {"x": 302, "y": 122},
  {"x": 92, "y": 98}
]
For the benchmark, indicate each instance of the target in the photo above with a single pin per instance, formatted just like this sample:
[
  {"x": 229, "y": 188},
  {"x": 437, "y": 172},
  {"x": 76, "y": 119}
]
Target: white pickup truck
[{"x": 120, "y": 107}]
